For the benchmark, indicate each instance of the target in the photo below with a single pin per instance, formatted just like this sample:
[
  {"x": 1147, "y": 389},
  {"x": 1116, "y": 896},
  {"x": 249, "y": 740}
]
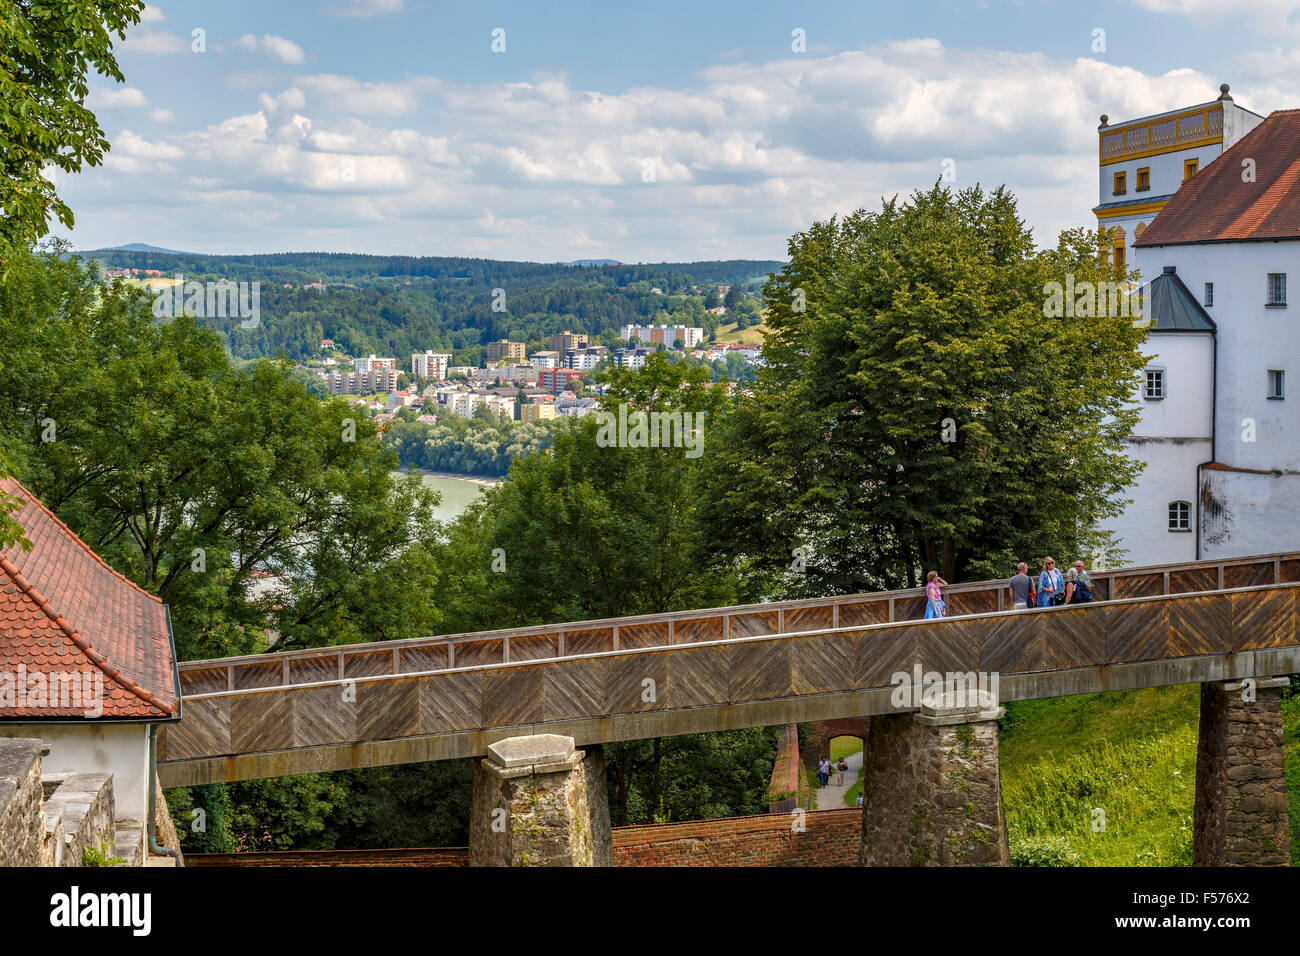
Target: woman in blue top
[{"x": 1049, "y": 584}]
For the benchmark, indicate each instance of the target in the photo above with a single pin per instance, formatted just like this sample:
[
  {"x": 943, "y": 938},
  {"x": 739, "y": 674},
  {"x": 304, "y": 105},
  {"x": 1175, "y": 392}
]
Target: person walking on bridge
[
  {"x": 934, "y": 585},
  {"x": 1078, "y": 586},
  {"x": 1022, "y": 587},
  {"x": 1051, "y": 589}
]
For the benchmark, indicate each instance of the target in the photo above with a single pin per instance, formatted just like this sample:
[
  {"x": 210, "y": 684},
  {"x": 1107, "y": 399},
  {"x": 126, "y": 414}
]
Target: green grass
[
  {"x": 727, "y": 334},
  {"x": 1131, "y": 755},
  {"x": 844, "y": 746}
]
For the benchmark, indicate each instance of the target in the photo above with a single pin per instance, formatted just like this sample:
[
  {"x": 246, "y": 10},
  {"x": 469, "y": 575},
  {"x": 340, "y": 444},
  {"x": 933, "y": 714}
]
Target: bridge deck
[{"x": 725, "y": 668}]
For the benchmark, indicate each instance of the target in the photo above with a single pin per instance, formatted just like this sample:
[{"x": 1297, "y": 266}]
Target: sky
[{"x": 642, "y": 132}]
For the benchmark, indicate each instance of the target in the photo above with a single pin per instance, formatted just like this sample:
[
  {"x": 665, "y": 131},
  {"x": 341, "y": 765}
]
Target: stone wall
[
  {"x": 78, "y": 814},
  {"x": 1241, "y": 815},
  {"x": 22, "y": 824},
  {"x": 932, "y": 793}
]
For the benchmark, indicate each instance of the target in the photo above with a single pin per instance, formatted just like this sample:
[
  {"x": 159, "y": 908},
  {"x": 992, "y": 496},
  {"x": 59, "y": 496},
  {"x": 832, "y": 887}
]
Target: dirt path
[{"x": 831, "y": 796}]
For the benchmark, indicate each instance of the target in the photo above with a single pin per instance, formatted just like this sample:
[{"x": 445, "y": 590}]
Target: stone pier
[
  {"x": 932, "y": 791},
  {"x": 1241, "y": 802},
  {"x": 539, "y": 802}
]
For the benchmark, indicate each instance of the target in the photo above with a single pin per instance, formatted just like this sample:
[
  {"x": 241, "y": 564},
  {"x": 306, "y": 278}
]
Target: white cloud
[
  {"x": 743, "y": 155},
  {"x": 151, "y": 14},
  {"x": 148, "y": 42},
  {"x": 162, "y": 116},
  {"x": 364, "y": 9},
  {"x": 125, "y": 97},
  {"x": 286, "y": 51}
]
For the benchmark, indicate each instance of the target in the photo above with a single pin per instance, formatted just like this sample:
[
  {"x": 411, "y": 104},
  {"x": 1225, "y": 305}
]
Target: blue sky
[{"x": 640, "y": 132}]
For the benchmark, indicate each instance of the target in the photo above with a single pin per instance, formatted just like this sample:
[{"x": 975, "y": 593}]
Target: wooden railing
[
  {"x": 458, "y": 651},
  {"x": 1180, "y": 131}
]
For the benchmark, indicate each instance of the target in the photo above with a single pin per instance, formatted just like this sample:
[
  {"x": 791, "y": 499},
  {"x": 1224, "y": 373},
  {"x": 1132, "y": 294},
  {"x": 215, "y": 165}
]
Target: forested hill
[{"x": 395, "y": 305}]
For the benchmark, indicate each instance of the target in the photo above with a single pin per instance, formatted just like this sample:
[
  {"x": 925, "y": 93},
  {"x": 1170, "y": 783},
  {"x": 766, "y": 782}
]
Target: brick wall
[
  {"x": 785, "y": 772},
  {"x": 830, "y": 838}
]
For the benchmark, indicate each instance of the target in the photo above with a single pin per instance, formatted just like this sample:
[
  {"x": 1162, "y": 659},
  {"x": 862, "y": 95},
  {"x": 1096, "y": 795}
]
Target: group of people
[
  {"x": 824, "y": 769},
  {"x": 1051, "y": 589}
]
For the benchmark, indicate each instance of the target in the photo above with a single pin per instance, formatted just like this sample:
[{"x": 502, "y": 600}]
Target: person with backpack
[
  {"x": 1051, "y": 589},
  {"x": 1078, "y": 586}
]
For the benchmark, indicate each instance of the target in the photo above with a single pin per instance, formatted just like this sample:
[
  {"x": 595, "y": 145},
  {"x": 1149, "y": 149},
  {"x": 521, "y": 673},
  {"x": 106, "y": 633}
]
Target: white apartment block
[
  {"x": 665, "y": 335},
  {"x": 363, "y": 365},
  {"x": 431, "y": 365}
]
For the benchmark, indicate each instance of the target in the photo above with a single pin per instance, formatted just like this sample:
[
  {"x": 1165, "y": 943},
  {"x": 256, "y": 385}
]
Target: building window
[
  {"x": 1276, "y": 384},
  {"x": 1276, "y": 289},
  {"x": 1144, "y": 180},
  {"x": 1155, "y": 384},
  {"x": 1119, "y": 255},
  {"x": 1180, "y": 516},
  {"x": 1189, "y": 168},
  {"x": 1120, "y": 186},
  {"x": 1209, "y": 293}
]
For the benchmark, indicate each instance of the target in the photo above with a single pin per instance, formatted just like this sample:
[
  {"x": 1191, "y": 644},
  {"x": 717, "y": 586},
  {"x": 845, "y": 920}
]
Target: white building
[
  {"x": 585, "y": 359},
  {"x": 363, "y": 366},
  {"x": 430, "y": 365},
  {"x": 546, "y": 359},
  {"x": 1222, "y": 451},
  {"x": 464, "y": 403},
  {"x": 1144, "y": 161},
  {"x": 663, "y": 334},
  {"x": 631, "y": 358}
]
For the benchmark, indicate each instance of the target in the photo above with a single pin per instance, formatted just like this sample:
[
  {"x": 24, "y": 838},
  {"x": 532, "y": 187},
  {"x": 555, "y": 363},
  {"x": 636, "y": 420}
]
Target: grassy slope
[
  {"x": 1132, "y": 756},
  {"x": 727, "y": 334}
]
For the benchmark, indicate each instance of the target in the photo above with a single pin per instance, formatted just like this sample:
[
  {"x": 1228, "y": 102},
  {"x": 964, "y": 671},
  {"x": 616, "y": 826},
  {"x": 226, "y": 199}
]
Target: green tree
[
  {"x": 920, "y": 411},
  {"x": 47, "y": 50},
  {"x": 732, "y": 299}
]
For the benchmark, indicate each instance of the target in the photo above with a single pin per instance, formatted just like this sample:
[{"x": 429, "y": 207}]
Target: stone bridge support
[
  {"x": 932, "y": 791},
  {"x": 539, "y": 802},
  {"x": 1240, "y": 817}
]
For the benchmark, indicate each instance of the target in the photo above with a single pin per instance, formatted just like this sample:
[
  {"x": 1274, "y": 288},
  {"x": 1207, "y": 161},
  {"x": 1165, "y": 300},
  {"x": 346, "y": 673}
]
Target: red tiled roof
[
  {"x": 1215, "y": 205},
  {"x": 63, "y": 610}
]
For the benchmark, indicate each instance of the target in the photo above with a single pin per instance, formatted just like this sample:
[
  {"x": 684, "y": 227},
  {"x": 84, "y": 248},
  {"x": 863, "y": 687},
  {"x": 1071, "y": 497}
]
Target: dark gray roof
[
  {"x": 1132, "y": 202},
  {"x": 1173, "y": 307}
]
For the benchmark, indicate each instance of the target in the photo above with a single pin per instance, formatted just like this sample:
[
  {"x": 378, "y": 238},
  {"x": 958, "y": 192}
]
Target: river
[{"x": 458, "y": 491}]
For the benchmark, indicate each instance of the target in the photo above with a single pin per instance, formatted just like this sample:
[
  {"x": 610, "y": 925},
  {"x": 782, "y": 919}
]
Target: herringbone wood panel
[
  {"x": 535, "y": 647},
  {"x": 573, "y": 689},
  {"x": 478, "y": 653},
  {"x": 760, "y": 671},
  {"x": 1193, "y": 579},
  {"x": 753, "y": 625},
  {"x": 1014, "y": 643},
  {"x": 652, "y": 634},
  {"x": 368, "y": 665},
  {"x": 311, "y": 670},
  {"x": 864, "y": 612},
  {"x": 1264, "y": 619},
  {"x": 973, "y": 602},
  {"x": 1138, "y": 585},
  {"x": 697, "y": 675},
  {"x": 322, "y": 716},
  {"x": 261, "y": 722},
  {"x": 808, "y": 619},
  {"x": 911, "y": 608},
  {"x": 825, "y": 662},
  {"x": 1202, "y": 626},
  {"x": 885, "y": 652},
  {"x": 1290, "y": 571},
  {"x": 451, "y": 702},
  {"x": 210, "y": 680},
  {"x": 1248, "y": 575},
  {"x": 1075, "y": 638},
  {"x": 250, "y": 676},
  {"x": 204, "y": 730},
  {"x": 512, "y": 696},
  {"x": 594, "y": 640},
  {"x": 696, "y": 629},
  {"x": 388, "y": 709},
  {"x": 417, "y": 660},
  {"x": 949, "y": 646},
  {"x": 1137, "y": 632},
  {"x": 625, "y": 685}
]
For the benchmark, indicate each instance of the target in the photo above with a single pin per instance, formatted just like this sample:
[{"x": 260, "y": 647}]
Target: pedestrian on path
[
  {"x": 842, "y": 766},
  {"x": 1022, "y": 587},
  {"x": 1051, "y": 589}
]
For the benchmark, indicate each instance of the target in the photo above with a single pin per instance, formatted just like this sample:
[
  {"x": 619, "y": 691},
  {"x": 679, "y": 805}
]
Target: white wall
[
  {"x": 1166, "y": 173},
  {"x": 85, "y": 747},
  {"x": 1143, "y": 530},
  {"x": 1259, "y": 514},
  {"x": 1187, "y": 410}
]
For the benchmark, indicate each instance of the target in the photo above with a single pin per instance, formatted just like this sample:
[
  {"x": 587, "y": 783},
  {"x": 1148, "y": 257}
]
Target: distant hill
[
  {"x": 396, "y": 305},
  {"x": 592, "y": 262},
  {"x": 138, "y": 247}
]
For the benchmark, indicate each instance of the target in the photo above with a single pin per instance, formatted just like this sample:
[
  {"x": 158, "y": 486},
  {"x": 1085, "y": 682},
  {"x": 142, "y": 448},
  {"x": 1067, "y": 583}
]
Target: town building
[
  {"x": 430, "y": 365},
  {"x": 1222, "y": 453},
  {"x": 665, "y": 335},
  {"x": 631, "y": 358},
  {"x": 88, "y": 666},
  {"x": 363, "y": 366},
  {"x": 505, "y": 351},
  {"x": 546, "y": 359},
  {"x": 557, "y": 380},
  {"x": 566, "y": 340},
  {"x": 1143, "y": 162},
  {"x": 587, "y": 358},
  {"x": 536, "y": 411},
  {"x": 355, "y": 383}
]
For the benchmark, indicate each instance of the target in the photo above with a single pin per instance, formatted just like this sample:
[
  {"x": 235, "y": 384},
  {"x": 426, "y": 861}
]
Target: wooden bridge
[{"x": 434, "y": 698}]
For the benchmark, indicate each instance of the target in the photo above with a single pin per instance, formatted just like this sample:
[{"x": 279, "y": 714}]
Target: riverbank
[{"x": 452, "y": 476}]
